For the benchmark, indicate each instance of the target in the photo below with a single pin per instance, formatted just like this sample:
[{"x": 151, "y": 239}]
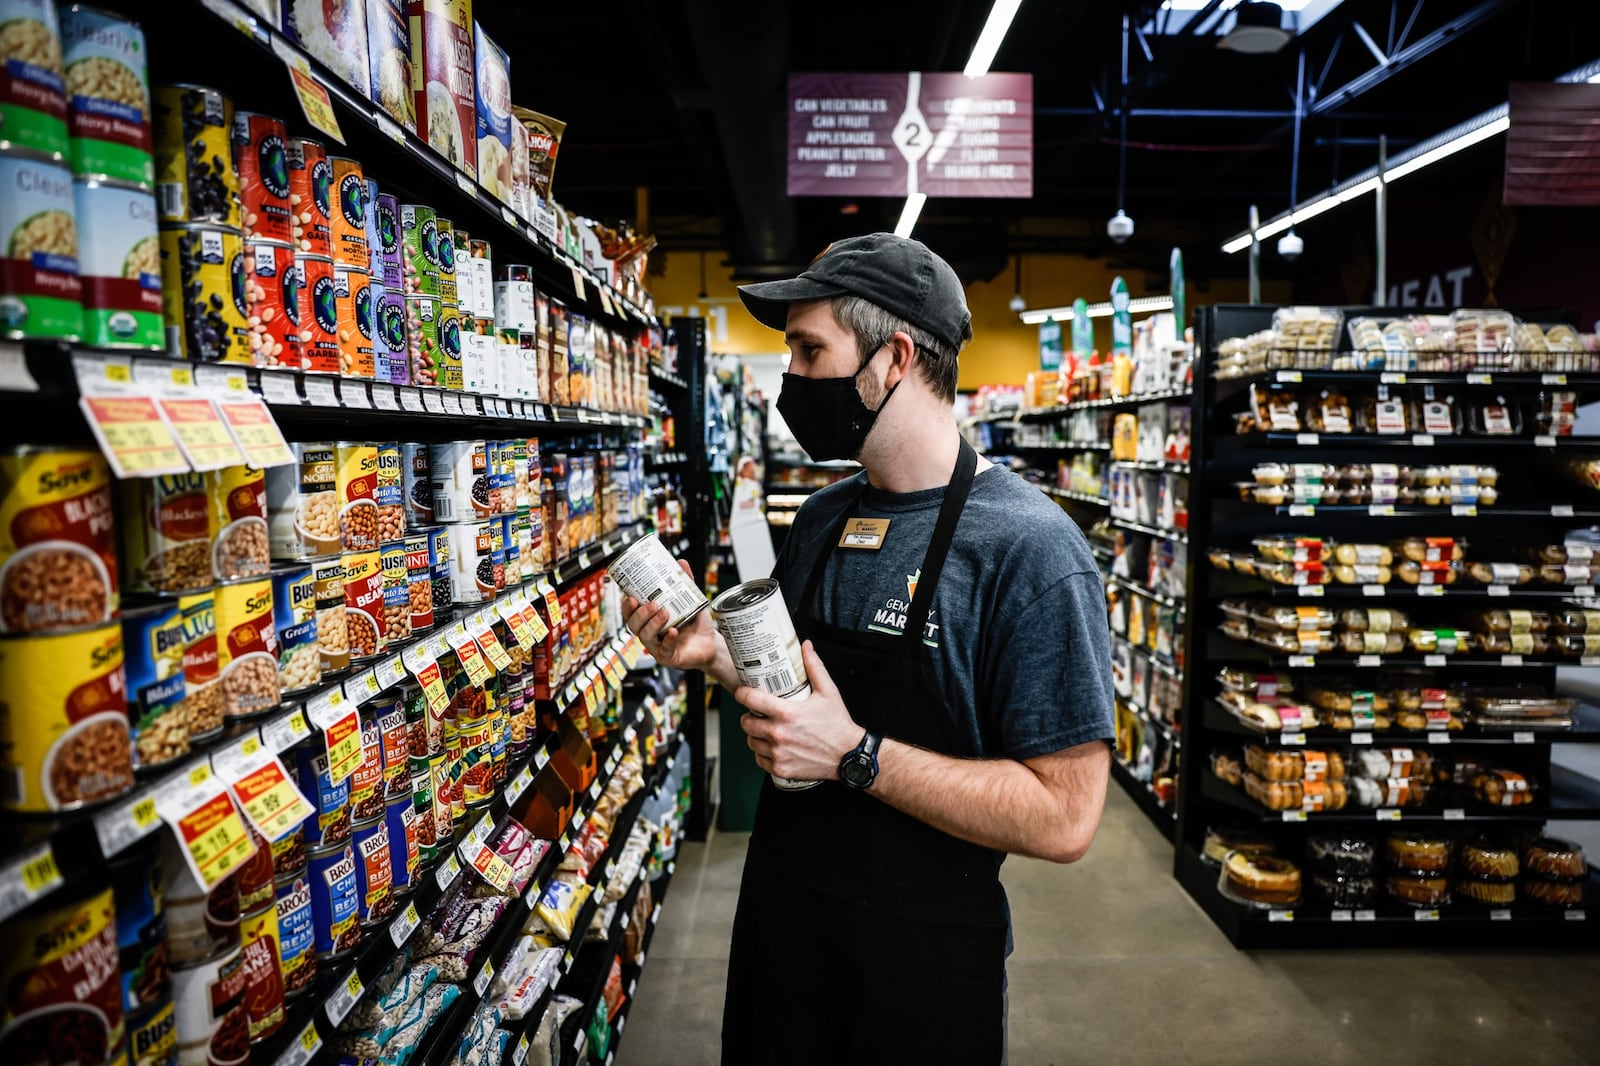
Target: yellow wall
[{"x": 1003, "y": 349}]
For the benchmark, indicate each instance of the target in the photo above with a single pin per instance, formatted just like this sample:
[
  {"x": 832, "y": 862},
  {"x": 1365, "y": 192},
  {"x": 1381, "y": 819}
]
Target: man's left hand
[{"x": 803, "y": 740}]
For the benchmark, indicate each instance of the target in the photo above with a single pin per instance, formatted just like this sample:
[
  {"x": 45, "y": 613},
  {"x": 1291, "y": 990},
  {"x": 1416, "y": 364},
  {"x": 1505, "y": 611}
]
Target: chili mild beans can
[
  {"x": 303, "y": 504},
  {"x": 195, "y": 178},
  {"x": 297, "y": 959},
  {"x": 349, "y": 213},
  {"x": 755, "y": 622},
  {"x": 259, "y": 155},
  {"x": 319, "y": 314},
  {"x": 294, "y": 617},
  {"x": 367, "y": 793},
  {"x": 272, "y": 298},
  {"x": 203, "y": 293},
  {"x": 649, "y": 573},
  {"x": 405, "y": 859},
  {"x": 353, "y": 309},
  {"x": 58, "y": 960},
  {"x": 310, "y": 196},
  {"x": 394, "y": 744},
  {"x": 329, "y": 822},
  {"x": 58, "y": 554},
  {"x": 374, "y": 871},
  {"x": 334, "y": 899},
  {"x": 333, "y": 630},
  {"x": 208, "y": 1000},
  {"x": 289, "y": 853},
  {"x": 363, "y": 600},
  {"x": 153, "y": 643},
  {"x": 264, "y": 992},
  {"x": 247, "y": 647}
]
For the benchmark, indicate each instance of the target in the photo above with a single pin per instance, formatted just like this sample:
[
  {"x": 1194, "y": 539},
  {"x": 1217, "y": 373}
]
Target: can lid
[
  {"x": 95, "y": 181},
  {"x": 184, "y": 227}
]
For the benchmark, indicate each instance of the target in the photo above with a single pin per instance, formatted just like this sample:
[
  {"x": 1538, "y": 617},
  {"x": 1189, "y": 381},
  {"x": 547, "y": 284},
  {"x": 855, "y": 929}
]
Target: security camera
[
  {"x": 1290, "y": 245},
  {"x": 1018, "y": 304},
  {"x": 1120, "y": 227}
]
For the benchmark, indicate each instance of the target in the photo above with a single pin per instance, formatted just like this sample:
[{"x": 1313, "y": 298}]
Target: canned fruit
[
  {"x": 272, "y": 300},
  {"x": 202, "y": 704},
  {"x": 195, "y": 179},
  {"x": 167, "y": 533},
  {"x": 237, "y": 496},
  {"x": 419, "y": 250},
  {"x": 319, "y": 318},
  {"x": 261, "y": 160},
  {"x": 63, "y": 1001},
  {"x": 247, "y": 646},
  {"x": 349, "y": 214},
  {"x": 203, "y": 297},
  {"x": 153, "y": 642},
  {"x": 108, "y": 95},
  {"x": 41, "y": 294},
  {"x": 64, "y": 738},
  {"x": 310, "y": 196},
  {"x": 354, "y": 314},
  {"x": 294, "y": 617},
  {"x": 303, "y": 504},
  {"x": 58, "y": 566},
  {"x": 120, "y": 265}
]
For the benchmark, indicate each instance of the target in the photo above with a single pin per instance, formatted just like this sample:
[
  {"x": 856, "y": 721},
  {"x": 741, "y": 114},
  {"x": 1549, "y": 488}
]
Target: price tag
[
  {"x": 1290, "y": 377},
  {"x": 304, "y": 1048},
  {"x": 1575, "y": 916},
  {"x": 344, "y": 998},
  {"x": 1366, "y": 916},
  {"x": 1497, "y": 590},
  {"x": 341, "y": 728},
  {"x": 1464, "y": 510},
  {"x": 1422, "y": 440},
  {"x": 594, "y": 789},
  {"x": 1303, "y": 661},
  {"x": 577, "y": 282},
  {"x": 1293, "y": 739},
  {"x": 1425, "y": 916},
  {"x": 1380, "y": 510},
  {"x": 1293, "y": 816},
  {"x": 390, "y": 672},
  {"x": 464, "y": 183},
  {"x": 1306, "y": 592},
  {"x": 363, "y": 687},
  {"x": 447, "y": 872},
  {"x": 1388, "y": 814},
  {"x": 492, "y": 649},
  {"x": 1369, "y": 660},
  {"x": 1392, "y": 379},
  {"x": 577, "y": 820},
  {"x": 552, "y": 603},
  {"x": 268, "y": 794},
  {"x": 410, "y": 399},
  {"x": 31, "y": 876},
  {"x": 605, "y": 301},
  {"x": 510, "y": 612},
  {"x": 1499, "y": 915},
  {"x": 14, "y": 374},
  {"x": 389, "y": 127},
  {"x": 471, "y": 658},
  {"x": 385, "y": 398},
  {"x": 520, "y": 1055},
  {"x": 432, "y": 401},
  {"x": 255, "y": 432},
  {"x": 1309, "y": 440},
  {"x": 1438, "y": 737},
  {"x": 1552, "y": 379},
  {"x": 480, "y": 984},
  {"x": 1280, "y": 916},
  {"x": 134, "y": 437},
  {"x": 541, "y": 759},
  {"x": 452, "y": 403},
  {"x": 1561, "y": 510},
  {"x": 1480, "y": 379},
  {"x": 1510, "y": 660},
  {"x": 1374, "y": 591},
  {"x": 419, "y": 659},
  {"x": 1522, "y": 737},
  {"x": 1341, "y": 916},
  {"x": 353, "y": 394},
  {"x": 127, "y": 822},
  {"x": 1360, "y": 737},
  {"x": 1455, "y": 814},
  {"x": 1430, "y": 590},
  {"x": 314, "y": 101},
  {"x": 1302, "y": 510},
  {"x": 200, "y": 432},
  {"x": 404, "y": 924},
  {"x": 1544, "y": 441},
  {"x": 1584, "y": 592},
  {"x": 210, "y": 830},
  {"x": 280, "y": 389},
  {"x": 655, "y": 915},
  {"x": 518, "y": 786},
  {"x": 1433, "y": 660},
  {"x": 613, "y": 672}
]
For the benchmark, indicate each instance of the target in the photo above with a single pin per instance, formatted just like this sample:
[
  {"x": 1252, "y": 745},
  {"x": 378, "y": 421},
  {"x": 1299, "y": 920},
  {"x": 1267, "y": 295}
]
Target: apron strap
[{"x": 955, "y": 499}]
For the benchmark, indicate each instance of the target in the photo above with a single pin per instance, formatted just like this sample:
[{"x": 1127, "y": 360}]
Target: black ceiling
[{"x": 686, "y": 97}]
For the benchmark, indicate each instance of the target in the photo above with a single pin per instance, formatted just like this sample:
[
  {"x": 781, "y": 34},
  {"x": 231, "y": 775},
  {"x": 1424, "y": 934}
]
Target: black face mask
[{"x": 827, "y": 416}]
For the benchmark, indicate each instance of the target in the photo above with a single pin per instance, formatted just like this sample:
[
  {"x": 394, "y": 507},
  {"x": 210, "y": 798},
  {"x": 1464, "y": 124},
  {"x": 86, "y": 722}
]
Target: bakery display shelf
[
  {"x": 1342, "y": 661},
  {"x": 389, "y": 152},
  {"x": 658, "y": 374},
  {"x": 1080, "y": 497},
  {"x": 1150, "y": 531},
  {"x": 1171, "y": 466},
  {"x": 1440, "y": 513},
  {"x": 1287, "y": 443},
  {"x": 1458, "y": 378},
  {"x": 1586, "y": 730},
  {"x": 1141, "y": 589},
  {"x": 1161, "y": 815},
  {"x": 586, "y": 979},
  {"x": 596, "y": 555}
]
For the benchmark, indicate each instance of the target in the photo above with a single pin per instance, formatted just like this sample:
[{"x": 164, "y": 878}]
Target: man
[{"x": 960, "y": 699}]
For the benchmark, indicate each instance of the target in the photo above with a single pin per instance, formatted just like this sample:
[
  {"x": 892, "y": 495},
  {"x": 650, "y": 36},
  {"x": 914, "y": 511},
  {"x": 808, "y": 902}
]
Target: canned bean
[
  {"x": 33, "y": 105},
  {"x": 297, "y": 936},
  {"x": 329, "y": 823},
  {"x": 119, "y": 262},
  {"x": 153, "y": 643},
  {"x": 353, "y": 309},
  {"x": 419, "y": 250},
  {"x": 259, "y": 156},
  {"x": 380, "y": 343},
  {"x": 404, "y": 856},
  {"x": 253, "y": 878},
  {"x": 58, "y": 560},
  {"x": 394, "y": 743},
  {"x": 263, "y": 997},
  {"x": 555, "y": 353},
  {"x": 480, "y": 264},
  {"x": 416, "y": 473},
  {"x": 447, "y": 259},
  {"x": 349, "y": 216},
  {"x": 480, "y": 367},
  {"x": 63, "y": 720},
  {"x": 333, "y": 630},
  {"x": 237, "y": 496},
  {"x": 460, "y": 473},
  {"x": 425, "y": 827},
  {"x": 201, "y": 923},
  {"x": 444, "y": 826},
  {"x": 415, "y": 707},
  {"x": 272, "y": 299},
  {"x": 202, "y": 704},
  {"x": 367, "y": 794},
  {"x": 393, "y": 333},
  {"x": 447, "y": 357},
  {"x": 389, "y": 492},
  {"x": 396, "y": 592},
  {"x": 439, "y": 564},
  {"x": 294, "y": 617},
  {"x": 334, "y": 899},
  {"x": 289, "y": 854},
  {"x": 419, "y": 582},
  {"x": 202, "y": 293},
  {"x": 363, "y": 598},
  {"x": 454, "y": 758},
  {"x": 500, "y": 741},
  {"x": 310, "y": 196},
  {"x": 460, "y": 252},
  {"x": 58, "y": 966},
  {"x": 41, "y": 294},
  {"x": 514, "y": 574},
  {"x": 477, "y": 760},
  {"x": 513, "y": 298},
  {"x": 497, "y": 550},
  {"x": 303, "y": 503},
  {"x": 195, "y": 179},
  {"x": 387, "y": 227},
  {"x": 519, "y": 473},
  {"x": 472, "y": 562},
  {"x": 503, "y": 479},
  {"x": 247, "y": 647},
  {"x": 422, "y": 339},
  {"x": 357, "y": 483},
  {"x": 208, "y": 1001},
  {"x": 374, "y": 871},
  {"x": 167, "y": 533},
  {"x": 319, "y": 319},
  {"x": 140, "y": 896},
  {"x": 153, "y": 1035}
]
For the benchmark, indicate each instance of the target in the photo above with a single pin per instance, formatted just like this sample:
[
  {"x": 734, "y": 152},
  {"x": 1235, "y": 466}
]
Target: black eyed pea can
[
  {"x": 247, "y": 647},
  {"x": 349, "y": 213},
  {"x": 195, "y": 178},
  {"x": 333, "y": 629},
  {"x": 140, "y": 896},
  {"x": 419, "y": 250},
  {"x": 64, "y": 739},
  {"x": 396, "y": 592},
  {"x": 153, "y": 644},
  {"x": 374, "y": 871},
  {"x": 58, "y": 964},
  {"x": 260, "y": 156},
  {"x": 208, "y": 999},
  {"x": 649, "y": 573},
  {"x": 319, "y": 314},
  {"x": 297, "y": 959},
  {"x": 404, "y": 856},
  {"x": 264, "y": 992},
  {"x": 303, "y": 504},
  {"x": 153, "y": 1035},
  {"x": 447, "y": 360},
  {"x": 119, "y": 262},
  {"x": 294, "y": 616},
  {"x": 41, "y": 292},
  {"x": 329, "y": 821},
  {"x": 363, "y": 600},
  {"x": 108, "y": 95},
  {"x": 422, "y": 340},
  {"x": 203, "y": 293},
  {"x": 439, "y": 557},
  {"x": 755, "y": 622},
  {"x": 33, "y": 104},
  {"x": 335, "y": 895}
]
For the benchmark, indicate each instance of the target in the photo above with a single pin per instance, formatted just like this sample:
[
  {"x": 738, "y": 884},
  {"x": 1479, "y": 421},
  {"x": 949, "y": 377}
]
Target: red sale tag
[
  {"x": 271, "y": 800},
  {"x": 215, "y": 837}
]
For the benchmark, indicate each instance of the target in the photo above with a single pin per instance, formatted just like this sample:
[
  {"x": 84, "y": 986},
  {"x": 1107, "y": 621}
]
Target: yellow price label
[
  {"x": 552, "y": 604},
  {"x": 271, "y": 800},
  {"x": 297, "y": 724},
  {"x": 182, "y": 375},
  {"x": 613, "y": 673},
  {"x": 201, "y": 433},
  {"x": 352, "y": 984},
  {"x": 249, "y": 745},
  {"x": 492, "y": 868},
  {"x": 200, "y": 774},
  {"x": 133, "y": 435},
  {"x": 309, "y": 1040},
  {"x": 145, "y": 814},
  {"x": 40, "y": 872},
  {"x": 314, "y": 100},
  {"x": 472, "y": 661},
  {"x": 119, "y": 372},
  {"x": 344, "y": 746},
  {"x": 537, "y": 630},
  {"x": 257, "y": 433},
  {"x": 216, "y": 838},
  {"x": 493, "y": 650}
]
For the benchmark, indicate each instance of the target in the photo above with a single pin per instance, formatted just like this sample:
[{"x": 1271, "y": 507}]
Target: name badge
[{"x": 864, "y": 533}]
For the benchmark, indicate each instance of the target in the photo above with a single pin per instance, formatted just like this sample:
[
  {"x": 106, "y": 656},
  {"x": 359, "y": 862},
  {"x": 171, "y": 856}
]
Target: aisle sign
[
  {"x": 1121, "y": 320},
  {"x": 134, "y": 437},
  {"x": 1082, "y": 329},
  {"x": 256, "y": 432},
  {"x": 1049, "y": 345},
  {"x": 201, "y": 433}
]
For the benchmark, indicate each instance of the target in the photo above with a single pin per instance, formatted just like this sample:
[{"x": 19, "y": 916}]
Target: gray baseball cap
[{"x": 898, "y": 274}]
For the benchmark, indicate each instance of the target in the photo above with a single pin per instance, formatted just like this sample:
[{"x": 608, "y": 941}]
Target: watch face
[{"x": 857, "y": 772}]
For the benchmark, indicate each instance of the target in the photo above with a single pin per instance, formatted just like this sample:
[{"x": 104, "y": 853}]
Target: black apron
[{"x": 864, "y": 935}]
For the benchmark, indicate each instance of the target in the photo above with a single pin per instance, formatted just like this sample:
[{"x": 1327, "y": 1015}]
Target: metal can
[
  {"x": 294, "y": 617},
  {"x": 497, "y": 552},
  {"x": 471, "y": 564},
  {"x": 195, "y": 178},
  {"x": 272, "y": 300},
  {"x": 333, "y": 630},
  {"x": 201, "y": 923},
  {"x": 447, "y": 259},
  {"x": 140, "y": 895},
  {"x": 260, "y": 157},
  {"x": 444, "y": 826},
  {"x": 33, "y": 106},
  {"x": 477, "y": 760},
  {"x": 329, "y": 823},
  {"x": 237, "y": 497},
  {"x": 422, "y": 810},
  {"x": 461, "y": 481},
  {"x": 439, "y": 557},
  {"x": 208, "y": 999},
  {"x": 447, "y": 361},
  {"x": 502, "y": 478},
  {"x": 59, "y": 969},
  {"x": 369, "y": 205},
  {"x": 419, "y": 250},
  {"x": 349, "y": 214},
  {"x": 203, "y": 295},
  {"x": 519, "y": 472},
  {"x": 202, "y": 702},
  {"x": 649, "y": 573},
  {"x": 513, "y": 551},
  {"x": 404, "y": 857},
  {"x": 297, "y": 936},
  {"x": 247, "y": 647},
  {"x": 363, "y": 600},
  {"x": 380, "y": 344},
  {"x": 367, "y": 794},
  {"x": 357, "y": 481},
  {"x": 396, "y": 592},
  {"x": 500, "y": 741},
  {"x": 119, "y": 263},
  {"x": 480, "y": 264},
  {"x": 167, "y": 533},
  {"x": 416, "y": 475},
  {"x": 522, "y": 530},
  {"x": 334, "y": 892},
  {"x": 419, "y": 582},
  {"x": 755, "y": 622},
  {"x": 319, "y": 318},
  {"x": 289, "y": 854},
  {"x": 394, "y": 744},
  {"x": 153, "y": 642},
  {"x": 153, "y": 1035},
  {"x": 263, "y": 997},
  {"x": 41, "y": 294},
  {"x": 303, "y": 503},
  {"x": 253, "y": 878},
  {"x": 422, "y": 339},
  {"x": 374, "y": 871},
  {"x": 460, "y": 253},
  {"x": 389, "y": 317},
  {"x": 389, "y": 492},
  {"x": 387, "y": 227},
  {"x": 513, "y": 298},
  {"x": 415, "y": 706},
  {"x": 310, "y": 197},
  {"x": 64, "y": 720},
  {"x": 58, "y": 558},
  {"x": 353, "y": 308}
]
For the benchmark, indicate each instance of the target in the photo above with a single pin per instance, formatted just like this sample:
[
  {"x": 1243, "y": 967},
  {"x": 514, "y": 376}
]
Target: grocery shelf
[
  {"x": 632, "y": 973},
  {"x": 1136, "y": 400},
  {"x": 1152, "y": 531},
  {"x": 1278, "y": 442},
  {"x": 657, "y": 374},
  {"x": 1586, "y": 731},
  {"x": 1401, "y": 591},
  {"x": 659, "y": 459},
  {"x": 1160, "y": 666},
  {"x": 1341, "y": 661},
  {"x": 1442, "y": 511},
  {"x": 1080, "y": 497},
  {"x": 1146, "y": 716},
  {"x": 1495, "y": 378},
  {"x": 1010, "y": 447},
  {"x": 1141, "y": 589},
  {"x": 1171, "y": 466},
  {"x": 1162, "y": 815}
]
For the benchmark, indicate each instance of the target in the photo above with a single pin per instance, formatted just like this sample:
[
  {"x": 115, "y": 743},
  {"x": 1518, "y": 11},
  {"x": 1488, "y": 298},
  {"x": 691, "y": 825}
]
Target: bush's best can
[
  {"x": 761, "y": 639},
  {"x": 153, "y": 642},
  {"x": 294, "y": 612}
]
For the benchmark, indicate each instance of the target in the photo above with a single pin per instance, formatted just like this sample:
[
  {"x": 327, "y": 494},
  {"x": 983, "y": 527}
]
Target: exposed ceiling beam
[{"x": 1393, "y": 64}]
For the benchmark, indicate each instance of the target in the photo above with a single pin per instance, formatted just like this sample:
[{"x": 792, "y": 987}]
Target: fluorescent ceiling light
[
  {"x": 909, "y": 213},
  {"x": 1238, "y": 244},
  {"x": 1449, "y": 148},
  {"x": 1229, "y": 5},
  {"x": 1142, "y": 306},
  {"x": 994, "y": 31}
]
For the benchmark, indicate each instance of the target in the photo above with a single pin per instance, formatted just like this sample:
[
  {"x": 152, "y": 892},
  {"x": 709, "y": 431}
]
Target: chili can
[
  {"x": 404, "y": 856},
  {"x": 319, "y": 314},
  {"x": 195, "y": 177},
  {"x": 294, "y": 618},
  {"x": 202, "y": 703},
  {"x": 333, "y": 628},
  {"x": 247, "y": 647},
  {"x": 201, "y": 923},
  {"x": 272, "y": 302},
  {"x": 260, "y": 157},
  {"x": 396, "y": 592},
  {"x": 237, "y": 496},
  {"x": 310, "y": 196},
  {"x": 297, "y": 959},
  {"x": 422, "y": 340},
  {"x": 140, "y": 897},
  {"x": 353, "y": 309},
  {"x": 58, "y": 557},
  {"x": 203, "y": 293},
  {"x": 329, "y": 823},
  {"x": 153, "y": 1035},
  {"x": 419, "y": 250},
  {"x": 119, "y": 263},
  {"x": 334, "y": 899},
  {"x": 374, "y": 871},
  {"x": 208, "y": 1000},
  {"x": 153, "y": 643},
  {"x": 349, "y": 213},
  {"x": 303, "y": 503},
  {"x": 264, "y": 998},
  {"x": 33, "y": 104},
  {"x": 363, "y": 599},
  {"x": 416, "y": 473},
  {"x": 58, "y": 970}
]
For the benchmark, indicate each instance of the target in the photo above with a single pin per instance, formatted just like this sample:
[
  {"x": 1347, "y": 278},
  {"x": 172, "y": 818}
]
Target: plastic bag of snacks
[{"x": 558, "y": 907}]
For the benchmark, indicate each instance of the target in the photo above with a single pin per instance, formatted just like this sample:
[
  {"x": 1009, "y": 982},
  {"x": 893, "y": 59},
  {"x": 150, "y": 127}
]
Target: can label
[
  {"x": 387, "y": 228},
  {"x": 440, "y": 769},
  {"x": 319, "y": 322},
  {"x": 55, "y": 960},
  {"x": 461, "y": 481},
  {"x": 761, "y": 637},
  {"x": 439, "y": 561},
  {"x": 649, "y": 573},
  {"x": 419, "y": 582},
  {"x": 195, "y": 178},
  {"x": 358, "y": 510},
  {"x": 447, "y": 356},
  {"x": 404, "y": 856},
  {"x": 260, "y": 154},
  {"x": 296, "y": 936},
  {"x": 153, "y": 1036},
  {"x": 209, "y": 1002},
  {"x": 419, "y": 251},
  {"x": 331, "y": 824},
  {"x": 394, "y": 738},
  {"x": 333, "y": 632},
  {"x": 367, "y": 795},
  {"x": 289, "y": 854},
  {"x": 58, "y": 560},
  {"x": 40, "y": 292},
  {"x": 422, "y": 339},
  {"x": 272, "y": 297},
  {"x": 447, "y": 261},
  {"x": 294, "y": 616},
  {"x": 353, "y": 307},
  {"x": 374, "y": 873},
  {"x": 310, "y": 196},
  {"x": 349, "y": 214},
  {"x": 203, "y": 294},
  {"x": 153, "y": 648},
  {"x": 202, "y": 706},
  {"x": 139, "y": 895},
  {"x": 472, "y": 563},
  {"x": 477, "y": 759},
  {"x": 303, "y": 504},
  {"x": 263, "y": 979},
  {"x": 119, "y": 261},
  {"x": 33, "y": 104},
  {"x": 389, "y": 492},
  {"x": 167, "y": 530},
  {"x": 247, "y": 647},
  {"x": 513, "y": 303},
  {"x": 238, "y": 500},
  {"x": 393, "y": 334},
  {"x": 363, "y": 598},
  {"x": 416, "y": 475},
  {"x": 380, "y": 344},
  {"x": 396, "y": 592},
  {"x": 334, "y": 893}
]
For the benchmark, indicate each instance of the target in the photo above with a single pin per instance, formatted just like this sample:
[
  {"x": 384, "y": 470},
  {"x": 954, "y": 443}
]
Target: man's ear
[{"x": 902, "y": 357}]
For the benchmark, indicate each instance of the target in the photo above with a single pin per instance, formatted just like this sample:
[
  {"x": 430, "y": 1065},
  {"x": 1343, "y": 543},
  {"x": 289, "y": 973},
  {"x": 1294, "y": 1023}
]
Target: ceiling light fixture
[
  {"x": 1257, "y": 29},
  {"x": 994, "y": 31},
  {"x": 1017, "y": 303},
  {"x": 1144, "y": 305},
  {"x": 909, "y": 213}
]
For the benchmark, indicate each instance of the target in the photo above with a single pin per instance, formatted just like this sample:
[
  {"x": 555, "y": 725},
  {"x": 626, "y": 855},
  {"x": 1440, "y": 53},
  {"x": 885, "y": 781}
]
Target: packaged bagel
[
  {"x": 1430, "y": 549},
  {"x": 1291, "y": 549},
  {"x": 1363, "y": 554},
  {"x": 1289, "y": 573},
  {"x": 1582, "y": 645},
  {"x": 1514, "y": 643},
  {"x": 1295, "y": 642},
  {"x": 1373, "y": 620},
  {"x": 1277, "y": 616},
  {"x": 1441, "y": 641},
  {"x": 1361, "y": 574},
  {"x": 1513, "y": 621},
  {"x": 1574, "y": 620},
  {"x": 1500, "y": 573},
  {"x": 1342, "y": 697},
  {"x": 1431, "y": 573},
  {"x": 1372, "y": 643},
  {"x": 1567, "y": 574}
]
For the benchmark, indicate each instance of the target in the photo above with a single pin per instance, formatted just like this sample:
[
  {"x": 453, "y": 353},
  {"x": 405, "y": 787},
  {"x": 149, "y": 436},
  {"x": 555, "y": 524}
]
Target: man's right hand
[{"x": 692, "y": 647}]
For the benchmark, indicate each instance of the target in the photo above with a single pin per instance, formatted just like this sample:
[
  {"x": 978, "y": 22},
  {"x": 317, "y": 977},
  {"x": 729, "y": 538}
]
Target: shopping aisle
[{"x": 1115, "y": 964}]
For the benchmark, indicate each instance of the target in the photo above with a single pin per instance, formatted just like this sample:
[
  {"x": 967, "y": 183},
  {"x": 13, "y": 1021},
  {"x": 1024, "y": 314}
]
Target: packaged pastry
[
  {"x": 1269, "y": 716},
  {"x": 1513, "y": 621},
  {"x": 1553, "y": 893},
  {"x": 1235, "y": 627},
  {"x": 1292, "y": 573},
  {"x": 1341, "y": 855},
  {"x": 1436, "y": 413},
  {"x": 1276, "y": 410},
  {"x": 1363, "y": 554},
  {"x": 1578, "y": 645},
  {"x": 1381, "y": 763},
  {"x": 1500, "y": 573},
  {"x": 1226, "y": 765},
  {"x": 1373, "y": 620},
  {"x": 1418, "y": 889},
  {"x": 1294, "y": 641},
  {"x": 1268, "y": 494},
  {"x": 1431, "y": 573},
  {"x": 1386, "y": 413},
  {"x": 1235, "y": 607},
  {"x": 1558, "y": 413},
  {"x": 1502, "y": 788},
  {"x": 1306, "y": 328},
  {"x": 1521, "y": 701},
  {"x": 1234, "y": 679},
  {"x": 1352, "y": 720},
  {"x": 1418, "y": 851},
  {"x": 1486, "y": 891},
  {"x": 1330, "y": 412},
  {"x": 1576, "y": 620},
  {"x": 1348, "y": 893},
  {"x": 1220, "y": 558},
  {"x": 1278, "y": 616},
  {"x": 1567, "y": 574},
  {"x": 1497, "y": 418},
  {"x": 1423, "y": 721},
  {"x": 1349, "y": 698},
  {"x": 1290, "y": 549},
  {"x": 1372, "y": 643},
  {"x": 1370, "y": 350},
  {"x": 1440, "y": 641},
  {"x": 1362, "y": 574},
  {"x": 1222, "y": 839},
  {"x": 1282, "y": 764},
  {"x": 1329, "y": 795},
  {"x": 1263, "y": 880},
  {"x": 1485, "y": 857},
  {"x": 1431, "y": 549},
  {"x": 1575, "y": 548},
  {"x": 1270, "y": 473},
  {"x": 1515, "y": 643},
  {"x": 1548, "y": 857},
  {"x": 1388, "y": 792},
  {"x": 1421, "y": 696},
  {"x": 1482, "y": 332}
]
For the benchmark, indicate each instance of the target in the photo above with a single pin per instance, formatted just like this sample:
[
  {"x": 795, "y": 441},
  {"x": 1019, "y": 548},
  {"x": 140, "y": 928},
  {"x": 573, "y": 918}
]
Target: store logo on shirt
[{"x": 891, "y": 617}]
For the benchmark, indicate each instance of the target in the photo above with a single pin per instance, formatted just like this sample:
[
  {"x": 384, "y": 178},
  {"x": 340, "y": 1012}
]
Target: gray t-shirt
[{"x": 1017, "y": 633}]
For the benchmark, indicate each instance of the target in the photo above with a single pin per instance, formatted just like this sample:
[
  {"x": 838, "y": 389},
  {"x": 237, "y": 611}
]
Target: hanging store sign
[
  {"x": 897, "y": 134},
  {"x": 1082, "y": 329},
  {"x": 1049, "y": 345},
  {"x": 1552, "y": 152}
]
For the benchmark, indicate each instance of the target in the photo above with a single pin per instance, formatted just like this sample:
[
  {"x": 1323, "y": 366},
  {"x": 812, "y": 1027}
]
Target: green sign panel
[
  {"x": 1121, "y": 320},
  {"x": 1082, "y": 329},
  {"x": 1179, "y": 298},
  {"x": 1049, "y": 345}
]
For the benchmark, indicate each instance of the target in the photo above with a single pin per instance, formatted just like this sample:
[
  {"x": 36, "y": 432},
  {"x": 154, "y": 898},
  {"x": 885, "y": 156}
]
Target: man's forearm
[{"x": 721, "y": 668}]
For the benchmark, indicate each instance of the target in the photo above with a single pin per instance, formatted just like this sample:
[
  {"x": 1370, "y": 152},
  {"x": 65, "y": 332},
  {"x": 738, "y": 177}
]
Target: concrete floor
[{"x": 1114, "y": 964}]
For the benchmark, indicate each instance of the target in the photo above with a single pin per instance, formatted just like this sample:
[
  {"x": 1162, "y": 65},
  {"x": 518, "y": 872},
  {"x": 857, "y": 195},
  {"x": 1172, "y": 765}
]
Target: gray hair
[{"x": 873, "y": 327}]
